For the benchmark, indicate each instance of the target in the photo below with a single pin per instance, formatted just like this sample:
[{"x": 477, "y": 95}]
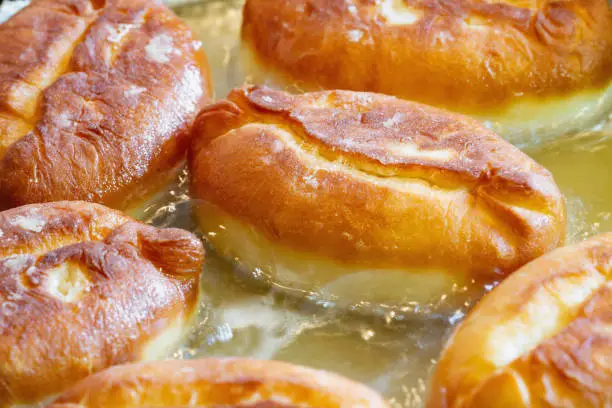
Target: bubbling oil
[
  {"x": 582, "y": 167},
  {"x": 242, "y": 317},
  {"x": 394, "y": 355}
]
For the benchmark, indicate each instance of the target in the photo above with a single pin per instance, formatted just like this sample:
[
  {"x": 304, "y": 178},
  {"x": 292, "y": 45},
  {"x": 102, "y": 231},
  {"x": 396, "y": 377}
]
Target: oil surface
[{"x": 392, "y": 355}]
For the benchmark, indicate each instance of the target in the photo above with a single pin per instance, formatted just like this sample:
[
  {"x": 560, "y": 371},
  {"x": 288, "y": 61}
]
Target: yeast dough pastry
[
  {"x": 368, "y": 195},
  {"x": 96, "y": 100},
  {"x": 540, "y": 339},
  {"x": 534, "y": 70},
  {"x": 218, "y": 383},
  {"x": 83, "y": 287}
]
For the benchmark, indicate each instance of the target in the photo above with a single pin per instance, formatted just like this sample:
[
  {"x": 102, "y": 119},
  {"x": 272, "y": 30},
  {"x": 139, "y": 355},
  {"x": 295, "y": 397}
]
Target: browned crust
[
  {"x": 141, "y": 279},
  {"x": 218, "y": 382},
  {"x": 88, "y": 109},
  {"x": 325, "y": 173},
  {"x": 569, "y": 368},
  {"x": 518, "y": 48}
]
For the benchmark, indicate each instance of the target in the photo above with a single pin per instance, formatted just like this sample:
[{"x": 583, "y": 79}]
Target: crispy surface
[
  {"x": 96, "y": 100},
  {"x": 83, "y": 287},
  {"x": 218, "y": 382},
  {"x": 371, "y": 180},
  {"x": 473, "y": 55},
  {"x": 541, "y": 339}
]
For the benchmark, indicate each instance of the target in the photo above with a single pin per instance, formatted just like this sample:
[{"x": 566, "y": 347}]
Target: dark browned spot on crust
[
  {"x": 96, "y": 100},
  {"x": 388, "y": 137},
  {"x": 481, "y": 54},
  {"x": 83, "y": 287},
  {"x": 561, "y": 362},
  {"x": 411, "y": 186}
]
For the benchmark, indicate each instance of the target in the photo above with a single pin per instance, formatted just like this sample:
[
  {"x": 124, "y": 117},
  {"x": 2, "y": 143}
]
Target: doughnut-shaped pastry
[
  {"x": 533, "y": 69},
  {"x": 541, "y": 339},
  {"x": 82, "y": 288},
  {"x": 96, "y": 100},
  {"x": 367, "y": 192},
  {"x": 218, "y": 383}
]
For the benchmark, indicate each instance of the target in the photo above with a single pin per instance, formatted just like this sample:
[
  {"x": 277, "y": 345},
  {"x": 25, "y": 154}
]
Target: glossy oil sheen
[{"x": 392, "y": 353}]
